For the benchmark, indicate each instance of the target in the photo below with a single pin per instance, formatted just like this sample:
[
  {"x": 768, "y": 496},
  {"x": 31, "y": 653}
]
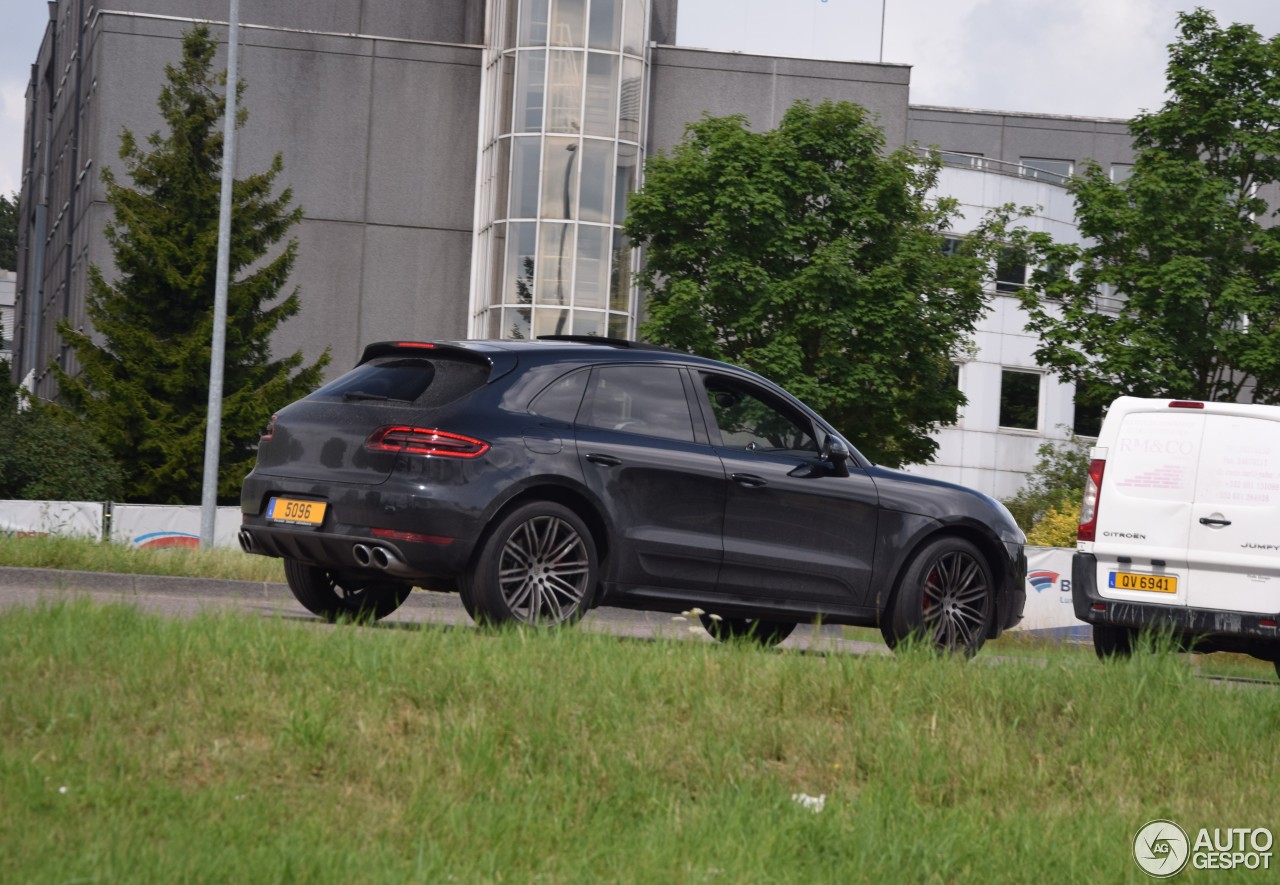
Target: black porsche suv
[{"x": 541, "y": 478}]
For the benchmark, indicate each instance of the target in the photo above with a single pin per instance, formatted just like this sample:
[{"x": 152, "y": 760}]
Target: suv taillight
[
  {"x": 1089, "y": 504},
  {"x": 425, "y": 441}
]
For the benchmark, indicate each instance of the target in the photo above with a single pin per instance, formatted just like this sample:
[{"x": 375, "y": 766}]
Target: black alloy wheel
[
  {"x": 766, "y": 633},
  {"x": 332, "y": 596},
  {"x": 945, "y": 598},
  {"x": 537, "y": 566}
]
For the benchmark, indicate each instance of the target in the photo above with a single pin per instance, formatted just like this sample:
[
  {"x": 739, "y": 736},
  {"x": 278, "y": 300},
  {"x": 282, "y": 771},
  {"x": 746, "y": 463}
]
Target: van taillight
[
  {"x": 1185, "y": 404},
  {"x": 425, "y": 441},
  {"x": 1089, "y": 504}
]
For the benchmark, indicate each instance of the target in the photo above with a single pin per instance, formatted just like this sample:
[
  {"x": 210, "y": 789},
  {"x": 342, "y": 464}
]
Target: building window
[
  {"x": 1047, "y": 169},
  {"x": 963, "y": 159},
  {"x": 950, "y": 245},
  {"x": 1121, "y": 172},
  {"x": 1020, "y": 399},
  {"x": 1011, "y": 271}
]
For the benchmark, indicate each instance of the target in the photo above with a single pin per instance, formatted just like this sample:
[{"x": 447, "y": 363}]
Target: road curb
[{"x": 64, "y": 579}]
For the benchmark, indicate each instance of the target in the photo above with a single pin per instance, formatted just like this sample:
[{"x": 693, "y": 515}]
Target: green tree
[
  {"x": 48, "y": 455},
  {"x": 144, "y": 376},
  {"x": 8, "y": 232},
  {"x": 1176, "y": 291},
  {"x": 809, "y": 254}
]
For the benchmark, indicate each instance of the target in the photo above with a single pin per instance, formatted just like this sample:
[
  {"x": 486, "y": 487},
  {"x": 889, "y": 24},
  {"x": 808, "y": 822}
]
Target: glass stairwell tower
[{"x": 561, "y": 148}]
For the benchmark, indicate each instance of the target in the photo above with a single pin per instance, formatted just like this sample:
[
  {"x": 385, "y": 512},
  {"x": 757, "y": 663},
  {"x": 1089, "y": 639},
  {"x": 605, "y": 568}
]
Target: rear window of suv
[{"x": 422, "y": 382}]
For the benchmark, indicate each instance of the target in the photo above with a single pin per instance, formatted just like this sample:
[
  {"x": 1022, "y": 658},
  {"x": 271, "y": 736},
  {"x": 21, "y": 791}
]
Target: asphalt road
[{"x": 186, "y": 597}]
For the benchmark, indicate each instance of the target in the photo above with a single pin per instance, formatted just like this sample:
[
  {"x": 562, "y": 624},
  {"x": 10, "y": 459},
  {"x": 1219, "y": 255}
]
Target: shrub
[
  {"x": 1058, "y": 478},
  {"x": 1057, "y": 527},
  {"x": 48, "y": 455}
]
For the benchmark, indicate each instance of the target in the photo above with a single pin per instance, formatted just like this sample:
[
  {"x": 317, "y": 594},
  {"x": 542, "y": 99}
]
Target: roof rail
[{"x": 607, "y": 342}]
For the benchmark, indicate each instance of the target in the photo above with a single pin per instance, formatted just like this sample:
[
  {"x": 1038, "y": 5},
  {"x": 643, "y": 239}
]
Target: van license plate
[
  {"x": 1154, "y": 583},
  {"x": 295, "y": 512}
]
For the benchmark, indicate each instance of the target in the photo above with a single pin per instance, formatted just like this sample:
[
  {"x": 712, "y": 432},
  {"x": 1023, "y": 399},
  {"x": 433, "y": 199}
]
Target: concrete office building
[
  {"x": 993, "y": 159},
  {"x": 463, "y": 171}
]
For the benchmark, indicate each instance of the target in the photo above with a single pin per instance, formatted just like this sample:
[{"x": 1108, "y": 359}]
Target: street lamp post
[{"x": 213, "y": 428}]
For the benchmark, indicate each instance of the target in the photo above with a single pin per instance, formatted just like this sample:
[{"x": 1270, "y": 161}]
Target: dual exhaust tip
[
  {"x": 366, "y": 556},
  {"x": 380, "y": 558}
]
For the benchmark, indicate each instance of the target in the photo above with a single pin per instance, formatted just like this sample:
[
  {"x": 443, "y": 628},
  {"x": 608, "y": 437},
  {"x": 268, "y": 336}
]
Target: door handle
[
  {"x": 748, "y": 479},
  {"x": 604, "y": 460},
  {"x": 1205, "y": 520}
]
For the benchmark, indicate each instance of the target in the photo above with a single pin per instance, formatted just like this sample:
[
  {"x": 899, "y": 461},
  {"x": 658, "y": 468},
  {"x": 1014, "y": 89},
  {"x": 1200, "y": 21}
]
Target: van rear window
[{"x": 421, "y": 382}]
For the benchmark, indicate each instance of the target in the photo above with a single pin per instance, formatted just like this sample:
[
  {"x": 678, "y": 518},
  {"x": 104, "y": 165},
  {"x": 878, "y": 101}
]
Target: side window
[
  {"x": 750, "y": 419},
  {"x": 649, "y": 400},
  {"x": 561, "y": 398}
]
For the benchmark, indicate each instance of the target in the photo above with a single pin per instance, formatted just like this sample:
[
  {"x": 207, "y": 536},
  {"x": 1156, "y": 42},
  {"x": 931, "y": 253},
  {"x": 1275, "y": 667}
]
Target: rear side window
[
  {"x": 422, "y": 382},
  {"x": 639, "y": 399},
  {"x": 562, "y": 397}
]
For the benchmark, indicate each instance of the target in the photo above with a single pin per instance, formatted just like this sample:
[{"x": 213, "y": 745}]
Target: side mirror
[{"x": 837, "y": 454}]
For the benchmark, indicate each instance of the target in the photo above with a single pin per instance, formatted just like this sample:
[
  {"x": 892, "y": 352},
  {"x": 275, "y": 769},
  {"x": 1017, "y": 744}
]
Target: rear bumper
[
  {"x": 1091, "y": 607},
  {"x": 420, "y": 536}
]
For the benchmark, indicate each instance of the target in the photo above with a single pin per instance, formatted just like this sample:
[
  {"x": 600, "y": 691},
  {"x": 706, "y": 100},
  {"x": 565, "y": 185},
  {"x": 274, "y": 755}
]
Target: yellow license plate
[
  {"x": 1154, "y": 583},
  {"x": 296, "y": 512}
]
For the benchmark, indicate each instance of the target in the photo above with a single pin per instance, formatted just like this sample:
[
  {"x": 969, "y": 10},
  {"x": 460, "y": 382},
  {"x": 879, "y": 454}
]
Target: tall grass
[
  {"x": 233, "y": 748},
  {"x": 78, "y": 554}
]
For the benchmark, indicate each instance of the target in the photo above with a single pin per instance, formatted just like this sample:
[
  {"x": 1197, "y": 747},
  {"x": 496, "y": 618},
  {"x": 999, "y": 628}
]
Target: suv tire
[
  {"x": 536, "y": 566},
  {"x": 945, "y": 597},
  {"x": 331, "y": 596}
]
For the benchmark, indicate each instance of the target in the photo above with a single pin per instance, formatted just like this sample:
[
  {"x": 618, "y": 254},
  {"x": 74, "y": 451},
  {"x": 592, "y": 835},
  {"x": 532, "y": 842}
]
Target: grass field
[
  {"x": 76, "y": 554},
  {"x": 235, "y": 748}
]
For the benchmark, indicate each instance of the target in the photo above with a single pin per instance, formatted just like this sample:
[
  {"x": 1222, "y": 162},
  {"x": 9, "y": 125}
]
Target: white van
[{"x": 1180, "y": 527}]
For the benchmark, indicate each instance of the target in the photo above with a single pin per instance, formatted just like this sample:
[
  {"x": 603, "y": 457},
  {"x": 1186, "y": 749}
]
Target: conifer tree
[{"x": 144, "y": 366}]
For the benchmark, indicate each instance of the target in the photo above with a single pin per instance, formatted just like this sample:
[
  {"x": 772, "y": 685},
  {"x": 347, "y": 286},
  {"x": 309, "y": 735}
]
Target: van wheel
[
  {"x": 1110, "y": 641},
  {"x": 946, "y": 598},
  {"x": 537, "y": 566},
  {"x": 766, "y": 633},
  {"x": 332, "y": 596}
]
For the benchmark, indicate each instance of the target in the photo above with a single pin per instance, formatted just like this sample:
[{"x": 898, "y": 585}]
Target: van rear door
[
  {"x": 1145, "y": 508},
  {"x": 1234, "y": 550}
]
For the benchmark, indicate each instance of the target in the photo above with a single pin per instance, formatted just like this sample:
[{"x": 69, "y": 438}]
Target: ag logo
[{"x": 1161, "y": 849}]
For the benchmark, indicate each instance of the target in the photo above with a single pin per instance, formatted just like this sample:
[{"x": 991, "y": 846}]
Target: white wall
[{"x": 976, "y": 452}]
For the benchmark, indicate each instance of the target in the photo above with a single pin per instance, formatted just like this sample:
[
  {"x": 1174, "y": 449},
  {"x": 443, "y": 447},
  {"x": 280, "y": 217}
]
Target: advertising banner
[
  {"x": 159, "y": 525},
  {"x": 1049, "y": 609},
  {"x": 73, "y": 518}
]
